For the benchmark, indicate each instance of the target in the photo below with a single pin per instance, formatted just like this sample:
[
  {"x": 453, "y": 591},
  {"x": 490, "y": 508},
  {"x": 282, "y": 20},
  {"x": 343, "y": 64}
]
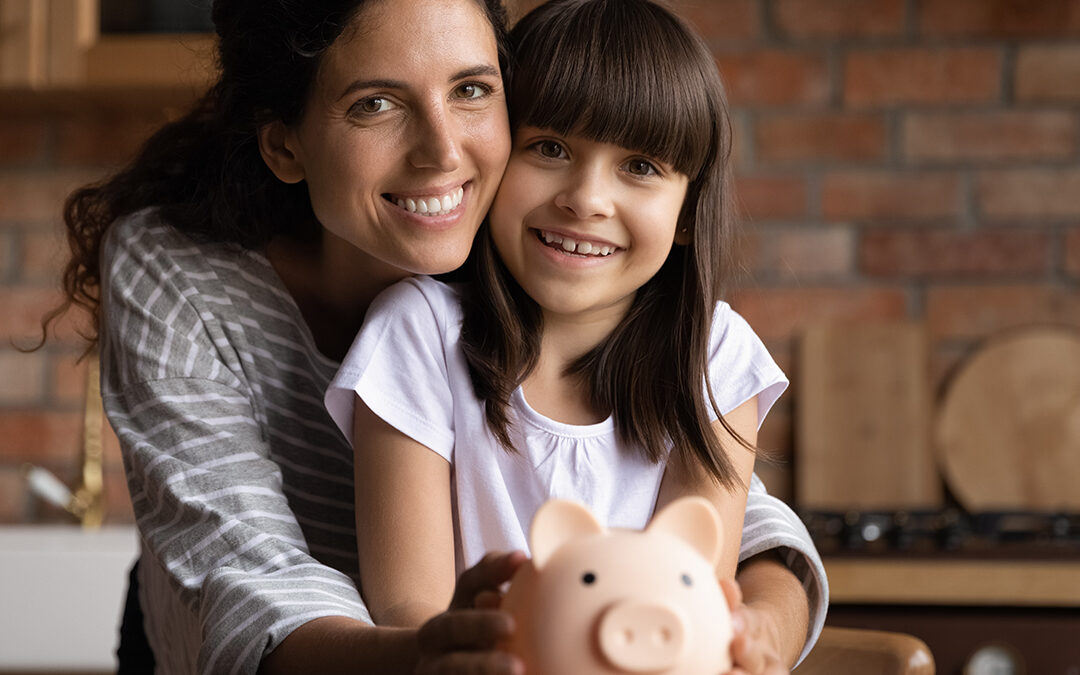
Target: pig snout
[{"x": 641, "y": 637}]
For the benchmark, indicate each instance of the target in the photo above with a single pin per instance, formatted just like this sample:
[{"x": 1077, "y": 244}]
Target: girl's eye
[
  {"x": 550, "y": 149},
  {"x": 372, "y": 106},
  {"x": 472, "y": 90},
  {"x": 641, "y": 167}
]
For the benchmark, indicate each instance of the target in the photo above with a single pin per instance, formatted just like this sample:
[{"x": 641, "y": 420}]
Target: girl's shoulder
[{"x": 418, "y": 294}]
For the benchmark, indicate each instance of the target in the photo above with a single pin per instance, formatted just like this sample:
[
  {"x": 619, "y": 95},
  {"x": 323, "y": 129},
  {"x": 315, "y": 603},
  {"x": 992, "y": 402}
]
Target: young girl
[{"x": 589, "y": 356}]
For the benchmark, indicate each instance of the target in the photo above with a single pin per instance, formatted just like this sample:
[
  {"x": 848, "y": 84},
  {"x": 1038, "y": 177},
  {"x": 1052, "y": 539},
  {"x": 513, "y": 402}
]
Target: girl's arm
[
  {"x": 682, "y": 478},
  {"x": 404, "y": 524}
]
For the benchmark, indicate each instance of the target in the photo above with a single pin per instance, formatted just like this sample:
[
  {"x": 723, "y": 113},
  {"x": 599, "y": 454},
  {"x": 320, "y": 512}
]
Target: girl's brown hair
[{"x": 630, "y": 73}]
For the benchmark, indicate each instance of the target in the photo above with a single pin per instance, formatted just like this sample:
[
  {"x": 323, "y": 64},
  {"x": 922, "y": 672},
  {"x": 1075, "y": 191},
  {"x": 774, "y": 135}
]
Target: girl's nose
[
  {"x": 587, "y": 194},
  {"x": 436, "y": 142}
]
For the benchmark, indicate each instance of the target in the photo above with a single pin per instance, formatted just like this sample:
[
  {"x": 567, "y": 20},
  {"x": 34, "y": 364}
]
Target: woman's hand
[
  {"x": 756, "y": 644},
  {"x": 464, "y": 639}
]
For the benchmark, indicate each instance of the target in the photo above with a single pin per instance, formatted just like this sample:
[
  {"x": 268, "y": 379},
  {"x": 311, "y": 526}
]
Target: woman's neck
[{"x": 333, "y": 283}]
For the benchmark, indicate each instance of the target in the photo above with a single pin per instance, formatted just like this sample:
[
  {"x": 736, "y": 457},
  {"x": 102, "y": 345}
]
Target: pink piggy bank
[{"x": 595, "y": 601}]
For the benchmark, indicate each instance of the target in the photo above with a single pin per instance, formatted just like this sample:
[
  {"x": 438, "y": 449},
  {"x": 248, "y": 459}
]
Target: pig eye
[
  {"x": 588, "y": 578},
  {"x": 687, "y": 581}
]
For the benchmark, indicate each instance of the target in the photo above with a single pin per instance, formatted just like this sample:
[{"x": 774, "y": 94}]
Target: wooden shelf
[{"x": 1017, "y": 583}]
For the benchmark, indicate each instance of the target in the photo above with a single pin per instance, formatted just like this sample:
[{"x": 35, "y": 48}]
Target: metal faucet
[{"x": 87, "y": 501}]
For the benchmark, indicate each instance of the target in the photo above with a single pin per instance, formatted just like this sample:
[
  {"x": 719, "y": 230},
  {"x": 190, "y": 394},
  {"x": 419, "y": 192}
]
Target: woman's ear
[{"x": 274, "y": 147}]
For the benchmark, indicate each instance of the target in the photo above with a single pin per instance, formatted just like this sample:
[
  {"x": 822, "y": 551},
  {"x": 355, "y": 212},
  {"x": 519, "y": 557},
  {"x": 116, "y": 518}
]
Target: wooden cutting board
[
  {"x": 1007, "y": 434},
  {"x": 863, "y": 419}
]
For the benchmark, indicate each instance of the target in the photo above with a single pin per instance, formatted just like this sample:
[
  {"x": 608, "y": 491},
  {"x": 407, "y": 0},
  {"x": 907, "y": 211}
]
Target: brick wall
[{"x": 896, "y": 158}]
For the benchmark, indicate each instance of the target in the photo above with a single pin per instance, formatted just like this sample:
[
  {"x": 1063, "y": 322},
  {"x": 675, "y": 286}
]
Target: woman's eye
[
  {"x": 550, "y": 149},
  {"x": 472, "y": 90},
  {"x": 373, "y": 105},
  {"x": 641, "y": 167}
]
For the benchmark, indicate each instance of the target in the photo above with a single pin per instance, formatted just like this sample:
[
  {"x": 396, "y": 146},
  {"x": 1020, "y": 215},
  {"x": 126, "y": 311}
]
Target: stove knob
[{"x": 994, "y": 659}]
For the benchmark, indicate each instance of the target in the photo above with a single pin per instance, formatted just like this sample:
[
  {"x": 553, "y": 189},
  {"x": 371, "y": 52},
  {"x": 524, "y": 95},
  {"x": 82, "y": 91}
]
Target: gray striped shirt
[{"x": 241, "y": 484}]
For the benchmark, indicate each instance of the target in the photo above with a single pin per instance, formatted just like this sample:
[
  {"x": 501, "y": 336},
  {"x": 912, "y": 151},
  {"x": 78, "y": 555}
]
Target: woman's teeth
[
  {"x": 432, "y": 206},
  {"x": 574, "y": 246}
]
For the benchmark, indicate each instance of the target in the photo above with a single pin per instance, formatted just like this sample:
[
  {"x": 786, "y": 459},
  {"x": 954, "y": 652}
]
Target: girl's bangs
[{"x": 615, "y": 72}]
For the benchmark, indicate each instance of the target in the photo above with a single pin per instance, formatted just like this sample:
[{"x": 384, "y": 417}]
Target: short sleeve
[
  {"x": 398, "y": 364},
  {"x": 740, "y": 367}
]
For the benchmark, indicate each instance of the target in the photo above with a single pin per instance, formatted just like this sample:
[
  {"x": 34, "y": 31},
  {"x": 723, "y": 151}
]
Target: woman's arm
[{"x": 404, "y": 523}]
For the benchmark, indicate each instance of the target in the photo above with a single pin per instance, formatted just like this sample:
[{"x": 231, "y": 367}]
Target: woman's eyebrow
[{"x": 474, "y": 71}]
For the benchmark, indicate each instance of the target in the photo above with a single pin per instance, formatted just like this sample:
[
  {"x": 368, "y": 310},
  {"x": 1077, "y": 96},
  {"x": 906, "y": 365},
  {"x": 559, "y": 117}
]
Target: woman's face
[{"x": 405, "y": 136}]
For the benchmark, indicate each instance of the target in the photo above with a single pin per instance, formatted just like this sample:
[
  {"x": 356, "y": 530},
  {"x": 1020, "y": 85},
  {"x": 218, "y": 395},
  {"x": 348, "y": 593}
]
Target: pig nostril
[
  {"x": 662, "y": 636},
  {"x": 628, "y": 637}
]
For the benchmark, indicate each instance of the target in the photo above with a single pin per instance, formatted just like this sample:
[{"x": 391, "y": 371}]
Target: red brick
[
  {"x": 43, "y": 256},
  {"x": 815, "y": 253},
  {"x": 941, "y": 75},
  {"x": 943, "y": 254},
  {"x": 12, "y": 495},
  {"x": 40, "y": 436},
  {"x": 22, "y": 141},
  {"x": 884, "y": 196},
  {"x": 997, "y": 136},
  {"x": 772, "y": 197},
  {"x": 798, "y": 254},
  {"x": 838, "y": 18},
  {"x": 38, "y": 196},
  {"x": 8, "y": 257},
  {"x": 769, "y": 78},
  {"x": 721, "y": 20},
  {"x": 23, "y": 310},
  {"x": 1048, "y": 73},
  {"x": 971, "y": 312},
  {"x": 22, "y": 377},
  {"x": 999, "y": 18},
  {"x": 104, "y": 140},
  {"x": 781, "y": 314},
  {"x": 821, "y": 137},
  {"x": 67, "y": 379},
  {"x": 1029, "y": 193},
  {"x": 1072, "y": 253}
]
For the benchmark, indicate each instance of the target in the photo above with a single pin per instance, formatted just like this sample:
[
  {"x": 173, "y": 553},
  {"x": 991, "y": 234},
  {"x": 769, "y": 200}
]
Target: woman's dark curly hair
[{"x": 203, "y": 172}]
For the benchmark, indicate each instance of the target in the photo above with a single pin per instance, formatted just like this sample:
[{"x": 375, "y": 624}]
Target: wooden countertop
[{"x": 936, "y": 581}]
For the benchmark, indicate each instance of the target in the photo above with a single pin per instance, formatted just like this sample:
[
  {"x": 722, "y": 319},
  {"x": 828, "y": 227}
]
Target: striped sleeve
[
  {"x": 208, "y": 496},
  {"x": 770, "y": 524}
]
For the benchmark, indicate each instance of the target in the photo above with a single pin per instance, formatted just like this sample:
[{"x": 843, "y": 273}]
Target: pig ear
[
  {"x": 695, "y": 521},
  {"x": 556, "y": 522}
]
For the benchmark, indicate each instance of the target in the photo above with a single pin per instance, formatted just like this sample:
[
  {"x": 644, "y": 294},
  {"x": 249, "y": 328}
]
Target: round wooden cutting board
[{"x": 1007, "y": 434}]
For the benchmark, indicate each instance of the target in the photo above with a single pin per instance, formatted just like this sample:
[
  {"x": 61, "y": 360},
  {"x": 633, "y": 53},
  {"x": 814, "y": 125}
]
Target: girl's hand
[
  {"x": 464, "y": 639},
  {"x": 755, "y": 646}
]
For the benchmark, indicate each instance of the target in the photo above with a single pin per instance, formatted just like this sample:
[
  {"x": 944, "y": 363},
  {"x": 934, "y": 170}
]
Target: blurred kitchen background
[{"x": 909, "y": 176}]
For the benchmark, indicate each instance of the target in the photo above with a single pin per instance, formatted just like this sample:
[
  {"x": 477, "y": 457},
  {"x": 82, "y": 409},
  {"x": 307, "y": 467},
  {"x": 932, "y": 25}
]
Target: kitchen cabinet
[{"x": 57, "y": 45}]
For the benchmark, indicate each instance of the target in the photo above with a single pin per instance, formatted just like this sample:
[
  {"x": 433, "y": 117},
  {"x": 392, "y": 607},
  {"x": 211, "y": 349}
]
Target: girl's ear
[
  {"x": 274, "y": 147},
  {"x": 683, "y": 236}
]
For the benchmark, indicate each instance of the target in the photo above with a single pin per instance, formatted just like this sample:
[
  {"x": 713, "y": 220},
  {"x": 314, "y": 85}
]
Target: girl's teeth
[
  {"x": 574, "y": 246},
  {"x": 433, "y": 206}
]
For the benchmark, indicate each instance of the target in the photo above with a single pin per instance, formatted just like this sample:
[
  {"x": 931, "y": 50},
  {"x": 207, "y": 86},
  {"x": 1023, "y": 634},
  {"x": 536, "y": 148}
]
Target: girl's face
[
  {"x": 583, "y": 225},
  {"x": 405, "y": 135}
]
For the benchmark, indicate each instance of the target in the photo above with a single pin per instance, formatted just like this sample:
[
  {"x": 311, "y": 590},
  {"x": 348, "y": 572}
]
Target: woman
[{"x": 230, "y": 267}]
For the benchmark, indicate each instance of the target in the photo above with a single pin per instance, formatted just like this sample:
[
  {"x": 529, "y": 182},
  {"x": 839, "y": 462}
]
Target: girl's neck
[
  {"x": 549, "y": 389},
  {"x": 333, "y": 283}
]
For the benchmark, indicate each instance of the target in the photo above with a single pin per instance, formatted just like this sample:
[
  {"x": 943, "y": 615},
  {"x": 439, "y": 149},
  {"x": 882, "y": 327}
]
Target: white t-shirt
[{"x": 408, "y": 367}]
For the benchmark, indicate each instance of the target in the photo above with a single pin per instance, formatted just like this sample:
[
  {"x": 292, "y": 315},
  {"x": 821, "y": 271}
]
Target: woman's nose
[
  {"x": 587, "y": 194},
  {"x": 436, "y": 142}
]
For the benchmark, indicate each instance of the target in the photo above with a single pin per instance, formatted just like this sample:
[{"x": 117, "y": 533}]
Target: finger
[
  {"x": 747, "y": 654},
  {"x": 465, "y": 630},
  {"x": 487, "y": 575},
  {"x": 488, "y": 600}
]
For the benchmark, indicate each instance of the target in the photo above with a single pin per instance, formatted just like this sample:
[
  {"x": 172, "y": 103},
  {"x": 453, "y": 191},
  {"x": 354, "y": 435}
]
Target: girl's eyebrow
[{"x": 473, "y": 71}]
